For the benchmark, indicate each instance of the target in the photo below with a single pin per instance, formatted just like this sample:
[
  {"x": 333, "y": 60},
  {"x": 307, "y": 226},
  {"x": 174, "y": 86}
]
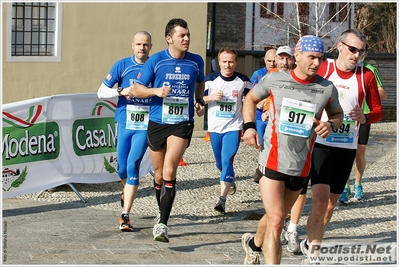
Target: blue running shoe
[
  {"x": 359, "y": 195},
  {"x": 344, "y": 198}
]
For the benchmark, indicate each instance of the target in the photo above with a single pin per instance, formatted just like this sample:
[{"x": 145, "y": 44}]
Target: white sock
[{"x": 292, "y": 227}]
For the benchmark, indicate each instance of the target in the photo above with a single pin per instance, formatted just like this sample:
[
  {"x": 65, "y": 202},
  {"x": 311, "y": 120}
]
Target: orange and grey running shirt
[{"x": 290, "y": 135}]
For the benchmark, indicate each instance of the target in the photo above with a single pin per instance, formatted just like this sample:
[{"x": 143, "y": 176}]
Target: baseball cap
[
  {"x": 310, "y": 43},
  {"x": 284, "y": 49}
]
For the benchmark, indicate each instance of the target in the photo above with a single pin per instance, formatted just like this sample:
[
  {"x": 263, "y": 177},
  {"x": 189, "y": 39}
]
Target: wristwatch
[
  {"x": 119, "y": 90},
  {"x": 367, "y": 118},
  {"x": 332, "y": 124},
  {"x": 200, "y": 101}
]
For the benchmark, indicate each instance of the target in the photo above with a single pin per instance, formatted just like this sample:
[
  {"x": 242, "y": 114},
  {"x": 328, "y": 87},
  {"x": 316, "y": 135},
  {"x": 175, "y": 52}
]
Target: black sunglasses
[{"x": 354, "y": 50}]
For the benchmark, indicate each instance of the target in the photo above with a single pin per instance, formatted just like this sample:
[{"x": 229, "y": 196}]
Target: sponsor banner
[
  {"x": 354, "y": 253},
  {"x": 59, "y": 139}
]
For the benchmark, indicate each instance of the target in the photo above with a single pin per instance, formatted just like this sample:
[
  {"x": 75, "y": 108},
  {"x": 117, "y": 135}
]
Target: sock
[
  {"x": 166, "y": 199},
  {"x": 347, "y": 186},
  {"x": 357, "y": 183},
  {"x": 292, "y": 227},
  {"x": 253, "y": 246},
  {"x": 158, "y": 188},
  {"x": 125, "y": 212},
  {"x": 223, "y": 199}
]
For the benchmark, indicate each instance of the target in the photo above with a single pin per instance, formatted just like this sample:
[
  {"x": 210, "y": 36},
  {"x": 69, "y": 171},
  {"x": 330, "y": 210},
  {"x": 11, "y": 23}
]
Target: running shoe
[
  {"x": 251, "y": 256},
  {"x": 283, "y": 240},
  {"x": 344, "y": 198},
  {"x": 123, "y": 197},
  {"x": 304, "y": 247},
  {"x": 220, "y": 206},
  {"x": 124, "y": 222},
  {"x": 359, "y": 195},
  {"x": 293, "y": 242},
  {"x": 233, "y": 188},
  {"x": 160, "y": 232}
]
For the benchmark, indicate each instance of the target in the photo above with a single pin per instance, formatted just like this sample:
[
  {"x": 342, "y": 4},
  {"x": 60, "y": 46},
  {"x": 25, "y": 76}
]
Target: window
[
  {"x": 34, "y": 31},
  {"x": 269, "y": 9},
  {"x": 303, "y": 9},
  {"x": 338, "y": 11},
  {"x": 343, "y": 14}
]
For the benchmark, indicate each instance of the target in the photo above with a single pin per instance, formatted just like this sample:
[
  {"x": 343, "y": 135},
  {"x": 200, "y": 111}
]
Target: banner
[{"x": 60, "y": 139}]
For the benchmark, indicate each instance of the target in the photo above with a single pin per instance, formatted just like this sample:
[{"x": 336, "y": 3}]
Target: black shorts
[
  {"x": 332, "y": 166},
  {"x": 157, "y": 134},
  {"x": 364, "y": 133},
  {"x": 293, "y": 183},
  {"x": 258, "y": 175}
]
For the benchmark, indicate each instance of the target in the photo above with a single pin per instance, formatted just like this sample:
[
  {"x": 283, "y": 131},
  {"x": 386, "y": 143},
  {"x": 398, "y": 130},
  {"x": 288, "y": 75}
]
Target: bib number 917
[{"x": 296, "y": 117}]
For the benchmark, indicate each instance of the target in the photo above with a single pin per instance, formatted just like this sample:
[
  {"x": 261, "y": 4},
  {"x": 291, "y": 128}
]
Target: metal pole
[
  {"x": 213, "y": 64},
  {"x": 77, "y": 192}
]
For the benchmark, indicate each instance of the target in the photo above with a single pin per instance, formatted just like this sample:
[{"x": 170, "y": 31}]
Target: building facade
[{"x": 70, "y": 47}]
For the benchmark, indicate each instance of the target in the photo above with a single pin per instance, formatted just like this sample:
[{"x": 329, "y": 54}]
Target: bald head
[
  {"x": 270, "y": 59},
  {"x": 141, "y": 46},
  {"x": 142, "y": 33}
]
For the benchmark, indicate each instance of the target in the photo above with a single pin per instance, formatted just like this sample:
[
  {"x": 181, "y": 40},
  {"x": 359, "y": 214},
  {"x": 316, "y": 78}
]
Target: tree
[
  {"x": 298, "y": 19},
  {"x": 378, "y": 22}
]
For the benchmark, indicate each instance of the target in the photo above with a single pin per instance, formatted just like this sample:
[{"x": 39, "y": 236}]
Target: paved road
[{"x": 36, "y": 232}]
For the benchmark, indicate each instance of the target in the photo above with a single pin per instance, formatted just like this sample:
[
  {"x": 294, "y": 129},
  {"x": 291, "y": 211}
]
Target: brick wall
[
  {"x": 387, "y": 68},
  {"x": 229, "y": 25}
]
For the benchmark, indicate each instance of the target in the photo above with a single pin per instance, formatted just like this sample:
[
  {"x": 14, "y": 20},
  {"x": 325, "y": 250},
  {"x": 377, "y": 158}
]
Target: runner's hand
[{"x": 251, "y": 138}]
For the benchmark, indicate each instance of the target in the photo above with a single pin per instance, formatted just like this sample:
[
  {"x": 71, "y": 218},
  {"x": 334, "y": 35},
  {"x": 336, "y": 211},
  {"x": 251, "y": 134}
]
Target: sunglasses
[{"x": 354, "y": 50}]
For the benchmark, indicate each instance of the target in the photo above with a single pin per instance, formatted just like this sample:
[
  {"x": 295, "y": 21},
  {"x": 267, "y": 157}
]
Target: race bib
[
  {"x": 226, "y": 108},
  {"x": 296, "y": 117},
  {"x": 345, "y": 134},
  {"x": 137, "y": 117},
  {"x": 174, "y": 110}
]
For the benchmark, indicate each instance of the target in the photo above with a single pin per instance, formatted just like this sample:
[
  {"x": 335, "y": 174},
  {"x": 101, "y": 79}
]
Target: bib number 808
[{"x": 137, "y": 117}]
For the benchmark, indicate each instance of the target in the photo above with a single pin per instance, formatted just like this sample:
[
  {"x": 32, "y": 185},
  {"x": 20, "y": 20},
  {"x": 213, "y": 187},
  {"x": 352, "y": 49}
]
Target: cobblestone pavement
[{"x": 58, "y": 228}]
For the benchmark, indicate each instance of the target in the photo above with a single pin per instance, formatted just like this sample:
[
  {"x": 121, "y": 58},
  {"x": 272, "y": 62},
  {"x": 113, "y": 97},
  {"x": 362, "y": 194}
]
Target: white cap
[{"x": 284, "y": 49}]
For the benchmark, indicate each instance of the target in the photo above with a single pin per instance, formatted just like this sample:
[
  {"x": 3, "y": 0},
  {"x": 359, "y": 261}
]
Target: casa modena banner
[{"x": 60, "y": 139}]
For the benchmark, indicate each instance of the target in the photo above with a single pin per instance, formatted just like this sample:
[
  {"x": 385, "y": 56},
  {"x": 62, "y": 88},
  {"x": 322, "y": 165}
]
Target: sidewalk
[{"x": 38, "y": 232}]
